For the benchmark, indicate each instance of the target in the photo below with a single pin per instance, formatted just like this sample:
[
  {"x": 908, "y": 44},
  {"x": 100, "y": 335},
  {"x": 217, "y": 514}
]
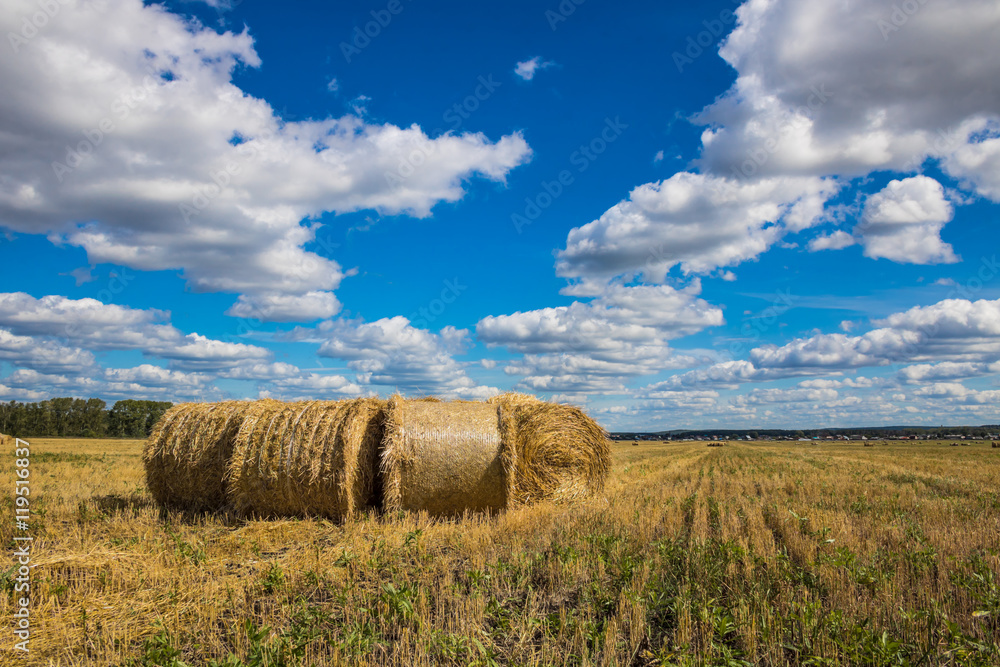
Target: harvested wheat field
[{"x": 752, "y": 554}]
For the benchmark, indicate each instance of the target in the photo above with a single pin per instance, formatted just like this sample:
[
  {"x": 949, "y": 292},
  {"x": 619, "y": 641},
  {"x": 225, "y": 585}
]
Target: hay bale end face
[
  {"x": 559, "y": 452},
  {"x": 186, "y": 455},
  {"x": 315, "y": 458},
  {"x": 444, "y": 457}
]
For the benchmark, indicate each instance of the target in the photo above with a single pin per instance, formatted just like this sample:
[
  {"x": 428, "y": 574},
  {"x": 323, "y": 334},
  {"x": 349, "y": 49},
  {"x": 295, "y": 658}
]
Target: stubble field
[{"x": 749, "y": 554}]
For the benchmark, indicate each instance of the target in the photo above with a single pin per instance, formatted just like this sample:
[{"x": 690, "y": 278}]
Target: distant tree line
[
  {"x": 934, "y": 432},
  {"x": 81, "y": 418}
]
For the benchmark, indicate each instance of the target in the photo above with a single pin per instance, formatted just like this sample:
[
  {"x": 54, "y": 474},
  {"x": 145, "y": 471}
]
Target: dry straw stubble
[
  {"x": 307, "y": 458},
  {"x": 187, "y": 453}
]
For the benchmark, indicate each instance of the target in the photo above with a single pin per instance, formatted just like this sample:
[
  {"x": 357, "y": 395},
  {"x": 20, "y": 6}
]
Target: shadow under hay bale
[
  {"x": 315, "y": 458},
  {"x": 131, "y": 504},
  {"x": 186, "y": 455},
  {"x": 443, "y": 457}
]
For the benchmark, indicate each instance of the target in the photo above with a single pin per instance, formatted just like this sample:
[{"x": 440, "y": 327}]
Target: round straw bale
[
  {"x": 559, "y": 452},
  {"x": 307, "y": 458},
  {"x": 512, "y": 399},
  {"x": 443, "y": 457},
  {"x": 186, "y": 455}
]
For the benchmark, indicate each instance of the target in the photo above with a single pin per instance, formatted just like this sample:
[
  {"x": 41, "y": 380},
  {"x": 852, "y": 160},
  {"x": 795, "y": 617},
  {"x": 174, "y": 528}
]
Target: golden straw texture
[
  {"x": 443, "y": 457},
  {"x": 307, "y": 458},
  {"x": 559, "y": 452},
  {"x": 186, "y": 455}
]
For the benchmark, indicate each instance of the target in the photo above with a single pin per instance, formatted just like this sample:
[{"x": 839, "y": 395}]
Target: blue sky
[{"x": 716, "y": 215}]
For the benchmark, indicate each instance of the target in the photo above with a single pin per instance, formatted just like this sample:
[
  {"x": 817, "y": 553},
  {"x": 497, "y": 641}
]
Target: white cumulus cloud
[
  {"x": 903, "y": 222},
  {"x": 698, "y": 221},
  {"x": 850, "y": 88},
  {"x": 393, "y": 354},
  {"x": 91, "y": 324},
  {"x": 129, "y": 139},
  {"x": 593, "y": 345},
  {"x": 835, "y": 241}
]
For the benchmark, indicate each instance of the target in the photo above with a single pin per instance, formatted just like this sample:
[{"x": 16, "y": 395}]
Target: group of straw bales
[{"x": 339, "y": 458}]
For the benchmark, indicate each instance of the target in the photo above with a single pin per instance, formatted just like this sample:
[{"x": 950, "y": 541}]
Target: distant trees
[
  {"x": 81, "y": 418},
  {"x": 135, "y": 419}
]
